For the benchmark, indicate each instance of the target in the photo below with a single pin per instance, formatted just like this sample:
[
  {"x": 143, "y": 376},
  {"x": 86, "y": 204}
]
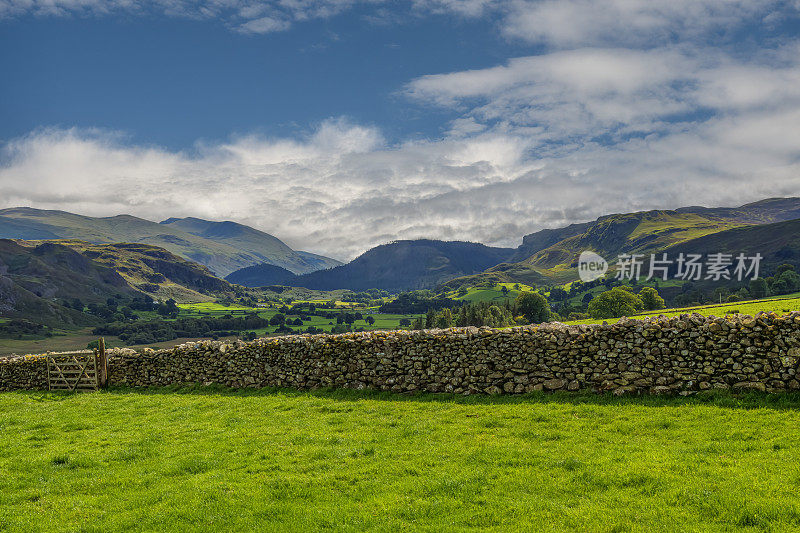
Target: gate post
[{"x": 102, "y": 364}]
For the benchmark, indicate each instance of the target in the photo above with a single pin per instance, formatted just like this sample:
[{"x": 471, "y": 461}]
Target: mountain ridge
[
  {"x": 406, "y": 264},
  {"x": 222, "y": 252}
]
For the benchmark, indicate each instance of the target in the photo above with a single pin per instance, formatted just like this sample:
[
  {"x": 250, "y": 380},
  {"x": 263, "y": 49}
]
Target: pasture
[
  {"x": 219, "y": 459},
  {"x": 776, "y": 304}
]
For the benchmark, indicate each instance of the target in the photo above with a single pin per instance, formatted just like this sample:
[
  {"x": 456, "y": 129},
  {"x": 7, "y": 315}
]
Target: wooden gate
[{"x": 72, "y": 371}]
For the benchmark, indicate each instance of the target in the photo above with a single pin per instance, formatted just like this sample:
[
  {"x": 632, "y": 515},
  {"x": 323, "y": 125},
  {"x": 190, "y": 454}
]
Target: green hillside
[
  {"x": 40, "y": 280},
  {"x": 262, "y": 245},
  {"x": 643, "y": 232},
  {"x": 34, "y": 277},
  {"x": 762, "y": 212},
  {"x": 407, "y": 264},
  {"x": 155, "y": 271},
  {"x": 222, "y": 251}
]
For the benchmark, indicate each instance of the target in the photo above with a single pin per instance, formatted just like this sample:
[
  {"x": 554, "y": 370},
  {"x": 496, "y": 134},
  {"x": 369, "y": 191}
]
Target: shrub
[{"x": 615, "y": 303}]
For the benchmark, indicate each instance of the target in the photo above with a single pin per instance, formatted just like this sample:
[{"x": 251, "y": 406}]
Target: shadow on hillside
[{"x": 726, "y": 399}]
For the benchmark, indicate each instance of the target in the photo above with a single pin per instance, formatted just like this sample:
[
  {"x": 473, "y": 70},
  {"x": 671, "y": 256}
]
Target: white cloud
[
  {"x": 576, "y": 23},
  {"x": 587, "y": 93},
  {"x": 341, "y": 190},
  {"x": 264, "y": 25},
  {"x": 246, "y": 16}
]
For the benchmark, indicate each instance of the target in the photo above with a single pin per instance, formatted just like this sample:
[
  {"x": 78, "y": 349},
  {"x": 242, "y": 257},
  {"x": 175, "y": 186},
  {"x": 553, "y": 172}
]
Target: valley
[{"x": 63, "y": 293}]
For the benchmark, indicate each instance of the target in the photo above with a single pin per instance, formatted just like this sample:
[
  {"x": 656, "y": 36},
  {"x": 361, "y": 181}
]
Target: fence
[{"x": 83, "y": 370}]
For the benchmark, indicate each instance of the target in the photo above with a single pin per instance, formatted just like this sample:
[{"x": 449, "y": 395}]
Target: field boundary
[{"x": 662, "y": 355}]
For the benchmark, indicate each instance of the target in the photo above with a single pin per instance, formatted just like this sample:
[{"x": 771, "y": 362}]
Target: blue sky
[
  {"x": 171, "y": 80},
  {"x": 337, "y": 125}
]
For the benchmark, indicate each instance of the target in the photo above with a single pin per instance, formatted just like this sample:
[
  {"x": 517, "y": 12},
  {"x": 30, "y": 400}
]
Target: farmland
[
  {"x": 78, "y": 338},
  {"x": 779, "y": 304}
]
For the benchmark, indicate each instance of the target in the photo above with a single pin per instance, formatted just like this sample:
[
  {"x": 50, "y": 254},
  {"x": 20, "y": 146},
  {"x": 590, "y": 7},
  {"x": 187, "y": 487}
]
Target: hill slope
[
  {"x": 37, "y": 277},
  {"x": 155, "y": 271},
  {"x": 267, "y": 248},
  {"x": 642, "y": 232},
  {"x": 405, "y": 265},
  {"x": 777, "y": 243},
  {"x": 33, "y": 277},
  {"x": 221, "y": 251},
  {"x": 261, "y": 276}
]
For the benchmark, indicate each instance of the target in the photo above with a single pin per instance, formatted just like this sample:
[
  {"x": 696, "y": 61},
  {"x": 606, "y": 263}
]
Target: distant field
[
  {"x": 78, "y": 339},
  {"x": 778, "y": 304},
  {"x": 494, "y": 294},
  {"x": 213, "y": 460},
  {"x": 382, "y": 320}
]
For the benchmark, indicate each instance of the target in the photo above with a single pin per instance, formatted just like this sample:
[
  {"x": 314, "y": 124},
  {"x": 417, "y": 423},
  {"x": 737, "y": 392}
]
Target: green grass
[
  {"x": 209, "y": 309},
  {"x": 221, "y": 460},
  {"x": 490, "y": 294},
  {"x": 778, "y": 304}
]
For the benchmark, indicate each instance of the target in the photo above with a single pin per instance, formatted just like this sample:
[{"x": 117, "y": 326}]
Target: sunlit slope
[
  {"x": 225, "y": 248},
  {"x": 645, "y": 232}
]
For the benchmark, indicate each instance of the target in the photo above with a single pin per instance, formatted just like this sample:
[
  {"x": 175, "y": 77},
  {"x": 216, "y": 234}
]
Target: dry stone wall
[{"x": 677, "y": 355}]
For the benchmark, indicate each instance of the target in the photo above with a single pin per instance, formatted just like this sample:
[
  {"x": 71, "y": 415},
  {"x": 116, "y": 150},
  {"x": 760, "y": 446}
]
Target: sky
[{"x": 338, "y": 125}]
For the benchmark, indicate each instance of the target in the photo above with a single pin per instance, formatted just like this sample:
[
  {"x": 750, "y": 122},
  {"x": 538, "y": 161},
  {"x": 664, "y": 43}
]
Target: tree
[
  {"x": 533, "y": 306},
  {"x": 370, "y": 320},
  {"x": 558, "y": 294},
  {"x": 651, "y": 299},
  {"x": 758, "y": 288},
  {"x": 504, "y": 290},
  {"x": 615, "y": 303},
  {"x": 429, "y": 318},
  {"x": 790, "y": 279},
  {"x": 444, "y": 318},
  {"x": 277, "y": 319}
]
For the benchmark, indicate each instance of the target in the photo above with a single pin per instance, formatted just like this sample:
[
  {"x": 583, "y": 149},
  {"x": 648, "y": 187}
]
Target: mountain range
[
  {"x": 223, "y": 247},
  {"x": 62, "y": 255},
  {"x": 551, "y": 255}
]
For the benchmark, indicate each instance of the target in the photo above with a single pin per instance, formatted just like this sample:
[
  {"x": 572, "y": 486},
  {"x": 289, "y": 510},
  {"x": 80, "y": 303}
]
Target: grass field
[
  {"x": 491, "y": 294},
  {"x": 79, "y": 338},
  {"x": 222, "y": 460},
  {"x": 778, "y": 304},
  {"x": 382, "y": 320}
]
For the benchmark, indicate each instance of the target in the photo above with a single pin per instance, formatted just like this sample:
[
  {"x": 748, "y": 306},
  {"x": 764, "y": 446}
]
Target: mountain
[
  {"x": 550, "y": 256},
  {"x": 227, "y": 247},
  {"x": 261, "y": 276},
  {"x": 38, "y": 277},
  {"x": 262, "y": 245},
  {"x": 403, "y": 265},
  {"x": 155, "y": 271},
  {"x": 778, "y": 243},
  {"x": 653, "y": 229},
  {"x": 32, "y": 277},
  {"x": 67, "y": 269},
  {"x": 762, "y": 212}
]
